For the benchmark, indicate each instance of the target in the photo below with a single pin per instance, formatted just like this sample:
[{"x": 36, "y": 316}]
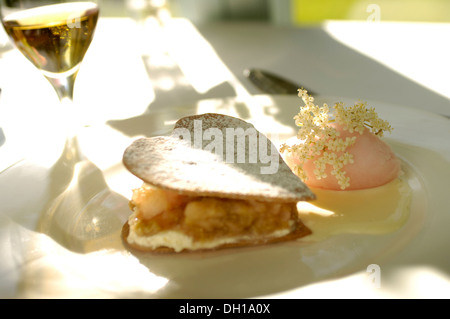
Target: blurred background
[{"x": 293, "y": 12}]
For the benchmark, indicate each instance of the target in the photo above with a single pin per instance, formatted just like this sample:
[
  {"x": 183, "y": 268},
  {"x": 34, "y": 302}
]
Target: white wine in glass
[{"x": 54, "y": 36}]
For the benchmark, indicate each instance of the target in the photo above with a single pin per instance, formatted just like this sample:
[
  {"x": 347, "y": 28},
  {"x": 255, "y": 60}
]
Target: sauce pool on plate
[{"x": 377, "y": 210}]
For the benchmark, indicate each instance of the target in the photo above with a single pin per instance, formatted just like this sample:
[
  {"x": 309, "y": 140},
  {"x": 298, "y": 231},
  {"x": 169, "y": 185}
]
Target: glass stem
[{"x": 64, "y": 88}]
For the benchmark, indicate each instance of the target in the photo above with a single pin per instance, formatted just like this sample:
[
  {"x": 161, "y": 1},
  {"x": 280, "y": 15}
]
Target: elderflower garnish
[{"x": 321, "y": 141}]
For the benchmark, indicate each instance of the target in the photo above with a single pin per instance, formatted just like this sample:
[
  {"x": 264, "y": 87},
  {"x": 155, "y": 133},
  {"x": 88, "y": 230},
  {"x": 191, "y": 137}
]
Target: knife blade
[{"x": 270, "y": 83}]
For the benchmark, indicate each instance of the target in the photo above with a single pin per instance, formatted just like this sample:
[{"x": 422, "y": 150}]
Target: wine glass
[{"x": 55, "y": 36}]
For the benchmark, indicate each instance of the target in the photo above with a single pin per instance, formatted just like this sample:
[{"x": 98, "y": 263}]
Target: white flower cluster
[
  {"x": 358, "y": 117},
  {"x": 321, "y": 141}
]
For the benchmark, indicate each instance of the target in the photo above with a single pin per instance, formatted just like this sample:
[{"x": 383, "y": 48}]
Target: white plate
[{"x": 60, "y": 223}]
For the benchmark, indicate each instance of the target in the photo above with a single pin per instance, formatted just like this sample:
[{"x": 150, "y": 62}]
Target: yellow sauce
[{"x": 377, "y": 210}]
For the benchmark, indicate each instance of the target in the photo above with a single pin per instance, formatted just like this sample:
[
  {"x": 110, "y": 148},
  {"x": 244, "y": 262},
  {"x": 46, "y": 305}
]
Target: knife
[{"x": 270, "y": 83}]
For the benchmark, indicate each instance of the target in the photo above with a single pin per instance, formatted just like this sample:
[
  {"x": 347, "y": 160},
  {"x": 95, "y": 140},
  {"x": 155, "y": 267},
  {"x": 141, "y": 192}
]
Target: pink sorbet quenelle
[
  {"x": 374, "y": 163},
  {"x": 340, "y": 150}
]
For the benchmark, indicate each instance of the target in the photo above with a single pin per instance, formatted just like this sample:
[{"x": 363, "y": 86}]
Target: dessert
[
  {"x": 207, "y": 187},
  {"x": 358, "y": 180},
  {"x": 340, "y": 149}
]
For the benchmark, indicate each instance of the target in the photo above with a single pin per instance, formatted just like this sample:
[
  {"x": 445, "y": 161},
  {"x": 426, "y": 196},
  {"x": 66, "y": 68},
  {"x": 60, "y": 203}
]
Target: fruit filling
[{"x": 207, "y": 218}]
